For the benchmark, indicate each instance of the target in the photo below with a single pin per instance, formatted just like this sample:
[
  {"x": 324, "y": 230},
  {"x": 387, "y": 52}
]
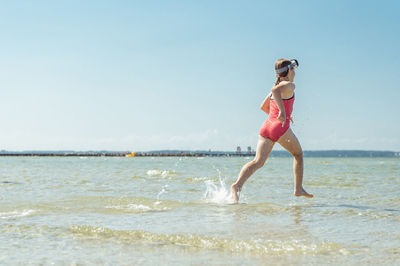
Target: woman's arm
[
  {"x": 265, "y": 104},
  {"x": 277, "y": 91}
]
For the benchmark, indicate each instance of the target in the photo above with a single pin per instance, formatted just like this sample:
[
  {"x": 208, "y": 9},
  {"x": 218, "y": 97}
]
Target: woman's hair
[{"x": 279, "y": 64}]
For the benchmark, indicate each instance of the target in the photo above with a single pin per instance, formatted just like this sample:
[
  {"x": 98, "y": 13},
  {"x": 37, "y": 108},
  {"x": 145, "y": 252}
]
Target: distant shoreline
[{"x": 179, "y": 153}]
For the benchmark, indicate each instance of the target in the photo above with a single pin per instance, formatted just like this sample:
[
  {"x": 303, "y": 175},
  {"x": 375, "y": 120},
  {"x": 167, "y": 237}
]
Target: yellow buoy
[{"x": 130, "y": 155}]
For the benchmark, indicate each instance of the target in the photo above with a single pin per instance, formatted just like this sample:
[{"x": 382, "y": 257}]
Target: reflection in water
[{"x": 297, "y": 212}]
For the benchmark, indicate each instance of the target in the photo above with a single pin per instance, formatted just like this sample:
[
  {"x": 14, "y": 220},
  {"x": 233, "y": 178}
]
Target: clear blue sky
[{"x": 147, "y": 75}]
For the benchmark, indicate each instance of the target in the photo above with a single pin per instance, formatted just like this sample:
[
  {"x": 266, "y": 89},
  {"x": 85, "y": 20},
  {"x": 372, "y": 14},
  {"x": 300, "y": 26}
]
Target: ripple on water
[
  {"x": 120, "y": 205},
  {"x": 16, "y": 214}
]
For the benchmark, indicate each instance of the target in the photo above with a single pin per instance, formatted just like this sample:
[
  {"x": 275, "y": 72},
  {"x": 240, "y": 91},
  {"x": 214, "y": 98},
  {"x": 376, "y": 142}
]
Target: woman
[{"x": 279, "y": 105}]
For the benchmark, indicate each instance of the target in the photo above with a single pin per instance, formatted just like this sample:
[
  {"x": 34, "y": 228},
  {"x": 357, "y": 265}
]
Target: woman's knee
[
  {"x": 298, "y": 155},
  {"x": 258, "y": 163}
]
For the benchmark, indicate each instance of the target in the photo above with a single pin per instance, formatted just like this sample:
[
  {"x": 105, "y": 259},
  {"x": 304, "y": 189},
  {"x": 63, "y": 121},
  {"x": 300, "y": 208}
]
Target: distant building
[
  {"x": 249, "y": 149},
  {"x": 238, "y": 149}
]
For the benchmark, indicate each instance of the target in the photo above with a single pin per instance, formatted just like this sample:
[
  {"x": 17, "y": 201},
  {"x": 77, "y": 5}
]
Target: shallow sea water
[{"x": 176, "y": 210}]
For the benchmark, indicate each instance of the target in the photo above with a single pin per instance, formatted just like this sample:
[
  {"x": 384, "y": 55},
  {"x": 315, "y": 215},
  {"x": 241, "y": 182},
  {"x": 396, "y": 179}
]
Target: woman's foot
[
  {"x": 235, "y": 193},
  {"x": 301, "y": 192}
]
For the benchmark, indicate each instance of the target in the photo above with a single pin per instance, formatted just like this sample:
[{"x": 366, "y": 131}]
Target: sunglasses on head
[{"x": 293, "y": 64}]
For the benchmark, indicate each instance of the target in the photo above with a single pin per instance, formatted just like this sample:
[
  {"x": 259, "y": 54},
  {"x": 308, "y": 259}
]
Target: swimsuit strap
[{"x": 283, "y": 99}]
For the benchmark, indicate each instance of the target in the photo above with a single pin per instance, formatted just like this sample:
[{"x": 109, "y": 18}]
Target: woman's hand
[
  {"x": 265, "y": 104},
  {"x": 282, "y": 118}
]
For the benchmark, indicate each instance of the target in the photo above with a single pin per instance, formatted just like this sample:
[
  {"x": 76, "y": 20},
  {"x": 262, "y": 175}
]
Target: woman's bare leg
[
  {"x": 292, "y": 145},
  {"x": 264, "y": 148}
]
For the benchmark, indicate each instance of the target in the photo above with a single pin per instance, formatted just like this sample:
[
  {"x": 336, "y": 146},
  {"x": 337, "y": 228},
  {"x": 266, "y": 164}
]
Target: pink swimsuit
[{"x": 272, "y": 127}]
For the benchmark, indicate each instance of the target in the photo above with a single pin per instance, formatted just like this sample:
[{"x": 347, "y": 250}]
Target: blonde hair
[{"x": 279, "y": 64}]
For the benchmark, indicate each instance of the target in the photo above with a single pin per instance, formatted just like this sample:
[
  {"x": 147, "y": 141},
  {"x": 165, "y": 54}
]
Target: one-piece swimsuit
[{"x": 272, "y": 127}]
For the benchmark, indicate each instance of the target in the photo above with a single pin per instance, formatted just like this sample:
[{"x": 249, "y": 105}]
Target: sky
[{"x": 191, "y": 75}]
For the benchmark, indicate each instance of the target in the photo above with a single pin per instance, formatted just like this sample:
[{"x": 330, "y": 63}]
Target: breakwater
[
  {"x": 125, "y": 154},
  {"x": 176, "y": 153}
]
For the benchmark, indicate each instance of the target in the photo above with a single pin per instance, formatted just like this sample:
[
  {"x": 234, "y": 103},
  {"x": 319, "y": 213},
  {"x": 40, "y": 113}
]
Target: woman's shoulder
[
  {"x": 286, "y": 84},
  {"x": 286, "y": 88}
]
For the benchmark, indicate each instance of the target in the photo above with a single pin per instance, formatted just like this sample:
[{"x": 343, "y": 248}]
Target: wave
[
  {"x": 199, "y": 242},
  {"x": 189, "y": 241},
  {"x": 203, "y": 179},
  {"x": 16, "y": 214},
  {"x": 138, "y": 208},
  {"x": 160, "y": 173}
]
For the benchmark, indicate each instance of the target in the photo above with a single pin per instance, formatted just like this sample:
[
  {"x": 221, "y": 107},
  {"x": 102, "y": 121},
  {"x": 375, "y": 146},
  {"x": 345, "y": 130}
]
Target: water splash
[
  {"x": 217, "y": 194},
  {"x": 163, "y": 190},
  {"x": 178, "y": 161}
]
